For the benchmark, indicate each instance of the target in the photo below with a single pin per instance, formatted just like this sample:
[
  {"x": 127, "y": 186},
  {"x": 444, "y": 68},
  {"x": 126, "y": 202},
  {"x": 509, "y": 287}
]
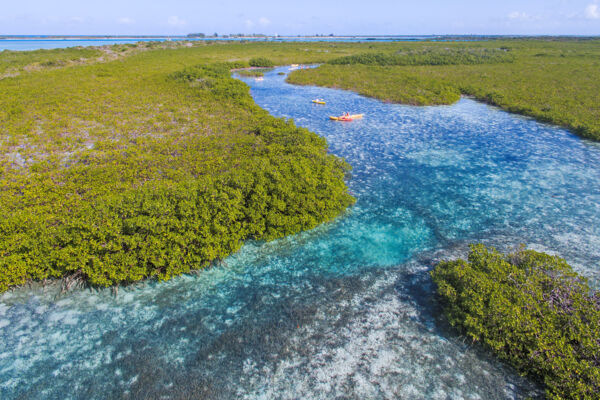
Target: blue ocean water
[
  {"x": 35, "y": 43},
  {"x": 39, "y": 44},
  {"x": 346, "y": 309}
]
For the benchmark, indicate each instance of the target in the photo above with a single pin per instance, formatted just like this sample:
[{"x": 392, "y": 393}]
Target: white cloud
[
  {"x": 592, "y": 11},
  {"x": 76, "y": 20},
  {"x": 262, "y": 21},
  {"x": 126, "y": 21},
  {"x": 523, "y": 17},
  {"x": 176, "y": 21},
  {"x": 517, "y": 15}
]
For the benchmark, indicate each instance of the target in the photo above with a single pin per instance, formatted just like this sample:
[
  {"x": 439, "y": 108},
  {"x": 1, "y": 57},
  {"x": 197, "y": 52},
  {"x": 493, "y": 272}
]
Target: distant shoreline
[
  {"x": 179, "y": 37},
  {"x": 75, "y": 37}
]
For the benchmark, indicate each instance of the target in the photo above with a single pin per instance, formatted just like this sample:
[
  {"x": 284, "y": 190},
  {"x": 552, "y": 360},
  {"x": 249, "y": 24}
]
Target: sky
[{"x": 302, "y": 17}]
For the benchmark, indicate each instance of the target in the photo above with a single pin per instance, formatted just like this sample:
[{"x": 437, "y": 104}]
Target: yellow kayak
[
  {"x": 347, "y": 117},
  {"x": 319, "y": 101}
]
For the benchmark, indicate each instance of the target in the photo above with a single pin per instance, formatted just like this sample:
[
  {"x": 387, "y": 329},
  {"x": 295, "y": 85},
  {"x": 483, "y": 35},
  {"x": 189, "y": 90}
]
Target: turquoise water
[
  {"x": 38, "y": 44},
  {"x": 345, "y": 309},
  {"x": 25, "y": 43}
]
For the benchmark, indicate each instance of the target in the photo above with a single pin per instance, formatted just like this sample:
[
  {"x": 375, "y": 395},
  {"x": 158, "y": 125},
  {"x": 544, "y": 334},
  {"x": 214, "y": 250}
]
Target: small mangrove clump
[
  {"x": 261, "y": 62},
  {"x": 254, "y": 73},
  {"x": 532, "y": 310}
]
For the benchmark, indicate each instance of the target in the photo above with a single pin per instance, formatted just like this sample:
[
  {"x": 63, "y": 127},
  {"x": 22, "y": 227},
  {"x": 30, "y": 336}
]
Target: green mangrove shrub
[
  {"x": 16, "y": 60},
  {"x": 560, "y": 87},
  {"x": 388, "y": 84},
  {"x": 253, "y": 73},
  {"x": 261, "y": 62},
  {"x": 434, "y": 56},
  {"x": 155, "y": 206},
  {"x": 532, "y": 310}
]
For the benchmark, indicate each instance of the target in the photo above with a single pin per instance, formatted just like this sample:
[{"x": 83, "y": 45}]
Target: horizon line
[{"x": 259, "y": 35}]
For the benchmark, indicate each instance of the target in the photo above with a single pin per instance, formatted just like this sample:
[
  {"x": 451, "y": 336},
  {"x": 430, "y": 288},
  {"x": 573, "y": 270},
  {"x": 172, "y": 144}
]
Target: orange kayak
[{"x": 347, "y": 117}]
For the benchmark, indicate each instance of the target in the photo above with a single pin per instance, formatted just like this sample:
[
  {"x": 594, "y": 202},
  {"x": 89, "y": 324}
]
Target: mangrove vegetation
[
  {"x": 556, "y": 81},
  {"x": 434, "y": 56},
  {"x": 149, "y": 166},
  {"x": 130, "y": 162},
  {"x": 532, "y": 310}
]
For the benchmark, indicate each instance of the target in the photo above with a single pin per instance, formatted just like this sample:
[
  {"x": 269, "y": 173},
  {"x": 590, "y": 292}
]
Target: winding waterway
[{"x": 345, "y": 310}]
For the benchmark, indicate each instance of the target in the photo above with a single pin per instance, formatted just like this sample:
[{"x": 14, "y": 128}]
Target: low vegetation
[
  {"x": 150, "y": 166},
  {"x": 253, "y": 73},
  {"x": 12, "y": 62},
  {"x": 388, "y": 84},
  {"x": 552, "y": 81},
  {"x": 428, "y": 56},
  {"x": 531, "y": 310},
  {"x": 149, "y": 160},
  {"x": 261, "y": 62}
]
